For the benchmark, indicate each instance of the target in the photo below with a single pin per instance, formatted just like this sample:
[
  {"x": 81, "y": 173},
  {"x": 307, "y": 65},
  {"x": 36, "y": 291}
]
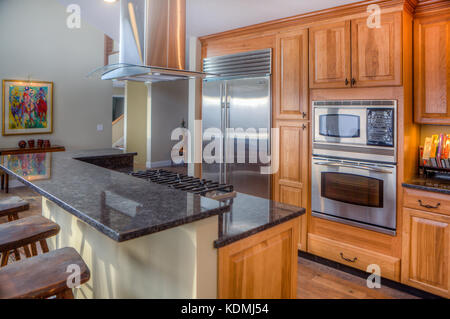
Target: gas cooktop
[{"x": 185, "y": 183}]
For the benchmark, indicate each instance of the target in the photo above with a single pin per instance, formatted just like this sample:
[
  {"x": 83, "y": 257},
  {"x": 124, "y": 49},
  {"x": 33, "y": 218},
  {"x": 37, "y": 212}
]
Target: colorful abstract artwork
[
  {"x": 33, "y": 167},
  {"x": 27, "y": 107}
]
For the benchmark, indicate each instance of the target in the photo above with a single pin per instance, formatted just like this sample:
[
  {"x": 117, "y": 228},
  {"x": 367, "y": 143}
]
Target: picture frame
[
  {"x": 32, "y": 166},
  {"x": 27, "y": 107}
]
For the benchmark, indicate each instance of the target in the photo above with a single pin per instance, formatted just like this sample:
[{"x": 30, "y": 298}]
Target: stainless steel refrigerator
[{"x": 239, "y": 99}]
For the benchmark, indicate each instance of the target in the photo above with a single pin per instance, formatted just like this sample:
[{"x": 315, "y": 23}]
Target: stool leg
[
  {"x": 5, "y": 257},
  {"x": 6, "y": 183},
  {"x": 44, "y": 246},
  {"x": 15, "y": 216},
  {"x": 3, "y": 181},
  {"x": 66, "y": 294},
  {"x": 33, "y": 249},
  {"x": 27, "y": 251}
]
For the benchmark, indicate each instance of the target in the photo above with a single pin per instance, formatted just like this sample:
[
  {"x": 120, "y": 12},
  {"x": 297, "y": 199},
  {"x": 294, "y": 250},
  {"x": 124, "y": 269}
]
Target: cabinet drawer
[
  {"x": 427, "y": 201},
  {"x": 354, "y": 256}
]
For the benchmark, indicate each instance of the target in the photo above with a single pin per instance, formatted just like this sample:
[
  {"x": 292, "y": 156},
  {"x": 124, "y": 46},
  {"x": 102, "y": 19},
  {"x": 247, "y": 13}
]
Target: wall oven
[
  {"x": 357, "y": 129},
  {"x": 354, "y": 169},
  {"x": 361, "y": 194}
]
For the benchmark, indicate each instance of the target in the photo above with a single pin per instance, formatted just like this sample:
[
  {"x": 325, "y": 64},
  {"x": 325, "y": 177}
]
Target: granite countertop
[
  {"x": 124, "y": 207},
  {"x": 249, "y": 215},
  {"x": 430, "y": 184}
]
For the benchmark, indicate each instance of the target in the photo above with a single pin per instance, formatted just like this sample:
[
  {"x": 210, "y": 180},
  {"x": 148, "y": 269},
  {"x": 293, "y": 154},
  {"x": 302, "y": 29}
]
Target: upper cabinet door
[
  {"x": 377, "y": 51},
  {"x": 329, "y": 56},
  {"x": 432, "y": 69},
  {"x": 292, "y": 76}
]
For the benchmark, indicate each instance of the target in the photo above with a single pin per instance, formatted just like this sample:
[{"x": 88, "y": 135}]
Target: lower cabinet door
[
  {"x": 426, "y": 251},
  {"x": 291, "y": 179},
  {"x": 263, "y": 266}
]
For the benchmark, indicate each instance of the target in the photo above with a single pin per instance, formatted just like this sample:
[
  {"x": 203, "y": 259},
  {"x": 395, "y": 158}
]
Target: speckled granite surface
[
  {"x": 430, "y": 184},
  {"x": 125, "y": 207},
  {"x": 249, "y": 215}
]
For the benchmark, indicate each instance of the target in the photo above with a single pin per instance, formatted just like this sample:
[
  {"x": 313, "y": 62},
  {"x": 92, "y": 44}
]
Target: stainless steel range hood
[{"x": 152, "y": 43}]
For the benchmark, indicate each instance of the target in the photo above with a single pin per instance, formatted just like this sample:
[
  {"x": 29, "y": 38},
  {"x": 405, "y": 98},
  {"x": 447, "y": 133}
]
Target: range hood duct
[{"x": 152, "y": 43}]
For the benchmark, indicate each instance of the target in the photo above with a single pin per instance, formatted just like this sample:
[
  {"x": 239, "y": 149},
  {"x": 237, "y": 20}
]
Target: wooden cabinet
[
  {"x": 432, "y": 69},
  {"x": 353, "y": 54},
  {"x": 429, "y": 201},
  {"x": 426, "y": 251},
  {"x": 263, "y": 266},
  {"x": 291, "y": 179},
  {"x": 354, "y": 256},
  {"x": 329, "y": 56},
  {"x": 292, "y": 76},
  {"x": 377, "y": 52}
]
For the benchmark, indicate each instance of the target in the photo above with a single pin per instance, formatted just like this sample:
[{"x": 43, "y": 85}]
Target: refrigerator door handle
[
  {"x": 222, "y": 126},
  {"x": 225, "y": 136}
]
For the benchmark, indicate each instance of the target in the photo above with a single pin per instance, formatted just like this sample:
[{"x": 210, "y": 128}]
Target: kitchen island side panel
[{"x": 179, "y": 262}]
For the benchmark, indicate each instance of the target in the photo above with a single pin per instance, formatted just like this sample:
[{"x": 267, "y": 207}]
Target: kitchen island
[{"x": 144, "y": 240}]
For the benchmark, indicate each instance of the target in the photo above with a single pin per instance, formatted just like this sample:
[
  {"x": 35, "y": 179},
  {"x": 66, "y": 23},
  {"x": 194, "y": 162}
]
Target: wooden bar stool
[
  {"x": 11, "y": 207},
  {"x": 24, "y": 232},
  {"x": 43, "y": 276}
]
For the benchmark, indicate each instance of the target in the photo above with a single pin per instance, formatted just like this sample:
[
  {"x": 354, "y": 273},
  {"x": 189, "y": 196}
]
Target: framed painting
[
  {"x": 27, "y": 107},
  {"x": 33, "y": 166}
]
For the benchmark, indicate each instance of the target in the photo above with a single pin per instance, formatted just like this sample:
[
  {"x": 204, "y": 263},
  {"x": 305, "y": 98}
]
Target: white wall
[
  {"x": 169, "y": 106},
  {"x": 35, "y": 41}
]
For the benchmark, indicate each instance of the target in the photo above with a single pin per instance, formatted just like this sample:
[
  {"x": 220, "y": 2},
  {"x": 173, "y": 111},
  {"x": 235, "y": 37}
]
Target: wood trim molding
[
  {"x": 429, "y": 7},
  {"x": 310, "y": 17}
]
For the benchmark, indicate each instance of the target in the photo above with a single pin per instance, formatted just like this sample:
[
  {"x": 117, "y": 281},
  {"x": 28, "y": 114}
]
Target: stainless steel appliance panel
[
  {"x": 358, "y": 193},
  {"x": 355, "y": 129},
  {"x": 212, "y": 114},
  {"x": 248, "y": 114}
]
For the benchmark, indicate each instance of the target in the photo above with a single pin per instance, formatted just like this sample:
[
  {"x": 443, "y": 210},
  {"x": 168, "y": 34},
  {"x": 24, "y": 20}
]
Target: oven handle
[{"x": 352, "y": 166}]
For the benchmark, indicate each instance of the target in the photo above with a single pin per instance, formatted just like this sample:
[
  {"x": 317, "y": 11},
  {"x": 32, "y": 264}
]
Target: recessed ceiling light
[{"x": 110, "y": 1}]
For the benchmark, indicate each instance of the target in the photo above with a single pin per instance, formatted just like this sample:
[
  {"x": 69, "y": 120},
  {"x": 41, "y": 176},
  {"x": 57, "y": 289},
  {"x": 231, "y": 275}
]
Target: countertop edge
[
  {"x": 81, "y": 157},
  {"x": 426, "y": 188},
  {"x": 220, "y": 243}
]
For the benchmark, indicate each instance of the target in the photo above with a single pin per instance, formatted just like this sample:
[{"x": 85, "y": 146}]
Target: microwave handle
[{"x": 354, "y": 166}]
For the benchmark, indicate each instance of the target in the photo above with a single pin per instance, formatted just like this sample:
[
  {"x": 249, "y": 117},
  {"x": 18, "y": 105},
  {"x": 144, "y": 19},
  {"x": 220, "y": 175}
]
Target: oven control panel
[{"x": 380, "y": 126}]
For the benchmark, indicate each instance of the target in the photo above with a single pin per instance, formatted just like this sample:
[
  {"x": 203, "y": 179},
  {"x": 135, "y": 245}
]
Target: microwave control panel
[{"x": 380, "y": 126}]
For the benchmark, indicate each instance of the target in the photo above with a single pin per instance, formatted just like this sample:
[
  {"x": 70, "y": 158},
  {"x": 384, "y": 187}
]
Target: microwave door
[{"x": 340, "y": 125}]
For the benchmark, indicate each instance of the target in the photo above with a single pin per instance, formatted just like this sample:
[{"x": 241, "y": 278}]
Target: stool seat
[
  {"x": 12, "y": 205},
  {"x": 42, "y": 276},
  {"x": 26, "y": 231}
]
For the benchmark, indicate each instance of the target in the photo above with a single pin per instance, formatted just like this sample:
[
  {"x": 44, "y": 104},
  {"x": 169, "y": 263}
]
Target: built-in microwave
[{"x": 355, "y": 129}]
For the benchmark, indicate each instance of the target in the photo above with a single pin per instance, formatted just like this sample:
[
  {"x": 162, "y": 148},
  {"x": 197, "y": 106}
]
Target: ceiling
[
  {"x": 211, "y": 16},
  {"x": 208, "y": 16}
]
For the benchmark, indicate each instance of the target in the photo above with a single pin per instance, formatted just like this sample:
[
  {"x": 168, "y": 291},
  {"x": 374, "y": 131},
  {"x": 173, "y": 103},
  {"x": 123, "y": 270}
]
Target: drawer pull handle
[
  {"x": 428, "y": 206},
  {"x": 348, "y": 259}
]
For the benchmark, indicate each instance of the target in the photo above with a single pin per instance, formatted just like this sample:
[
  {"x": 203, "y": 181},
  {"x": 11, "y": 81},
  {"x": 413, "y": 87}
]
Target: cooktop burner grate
[{"x": 182, "y": 182}]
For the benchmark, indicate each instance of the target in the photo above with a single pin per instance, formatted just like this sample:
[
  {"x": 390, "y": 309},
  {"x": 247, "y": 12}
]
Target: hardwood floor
[{"x": 315, "y": 281}]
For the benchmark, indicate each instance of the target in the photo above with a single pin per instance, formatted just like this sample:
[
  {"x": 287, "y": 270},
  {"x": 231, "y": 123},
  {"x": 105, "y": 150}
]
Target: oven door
[
  {"x": 356, "y": 193},
  {"x": 340, "y": 125}
]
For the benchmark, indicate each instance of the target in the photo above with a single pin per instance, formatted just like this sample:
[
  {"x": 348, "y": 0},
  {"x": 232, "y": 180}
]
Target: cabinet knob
[
  {"x": 346, "y": 81},
  {"x": 304, "y": 114},
  {"x": 353, "y": 81},
  {"x": 304, "y": 126}
]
